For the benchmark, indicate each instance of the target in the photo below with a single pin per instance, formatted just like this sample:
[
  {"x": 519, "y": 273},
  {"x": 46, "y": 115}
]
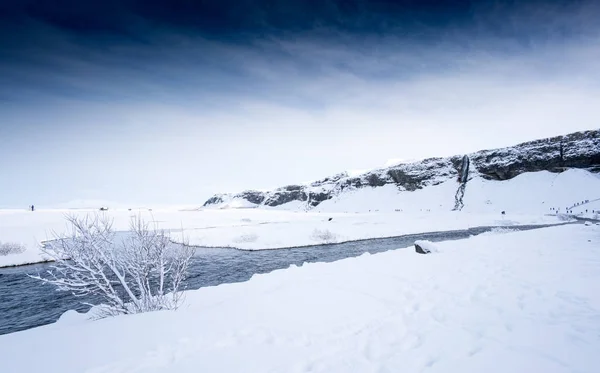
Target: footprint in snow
[
  {"x": 439, "y": 316},
  {"x": 412, "y": 341},
  {"x": 474, "y": 350}
]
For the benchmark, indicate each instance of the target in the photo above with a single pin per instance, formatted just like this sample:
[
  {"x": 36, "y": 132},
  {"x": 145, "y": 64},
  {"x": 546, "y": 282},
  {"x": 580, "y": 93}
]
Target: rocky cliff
[{"x": 556, "y": 154}]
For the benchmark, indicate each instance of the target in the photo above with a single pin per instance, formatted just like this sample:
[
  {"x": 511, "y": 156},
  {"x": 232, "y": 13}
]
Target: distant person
[{"x": 32, "y": 208}]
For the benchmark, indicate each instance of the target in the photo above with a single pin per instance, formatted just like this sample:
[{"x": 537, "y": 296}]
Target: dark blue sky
[
  {"x": 236, "y": 19},
  {"x": 116, "y": 99},
  {"x": 47, "y": 47},
  {"x": 239, "y": 19}
]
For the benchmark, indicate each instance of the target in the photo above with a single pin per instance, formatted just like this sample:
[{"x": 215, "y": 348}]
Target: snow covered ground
[
  {"x": 511, "y": 302},
  {"x": 364, "y": 213},
  {"x": 254, "y": 229}
]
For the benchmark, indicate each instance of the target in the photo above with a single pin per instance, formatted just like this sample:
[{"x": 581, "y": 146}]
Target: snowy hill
[
  {"x": 531, "y": 192},
  {"x": 457, "y": 182}
]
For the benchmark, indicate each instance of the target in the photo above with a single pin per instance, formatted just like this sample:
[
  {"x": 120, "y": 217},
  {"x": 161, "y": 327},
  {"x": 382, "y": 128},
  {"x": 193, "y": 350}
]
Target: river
[{"x": 26, "y": 303}]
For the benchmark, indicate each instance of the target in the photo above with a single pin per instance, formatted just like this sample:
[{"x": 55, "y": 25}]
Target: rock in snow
[
  {"x": 556, "y": 154},
  {"x": 421, "y": 250},
  {"x": 425, "y": 247}
]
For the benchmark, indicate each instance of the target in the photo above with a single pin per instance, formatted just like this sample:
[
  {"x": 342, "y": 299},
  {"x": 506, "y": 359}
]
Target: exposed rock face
[
  {"x": 576, "y": 150},
  {"x": 282, "y": 196},
  {"x": 253, "y": 196},
  {"x": 425, "y": 247},
  {"x": 421, "y": 250},
  {"x": 214, "y": 200},
  {"x": 317, "y": 197}
]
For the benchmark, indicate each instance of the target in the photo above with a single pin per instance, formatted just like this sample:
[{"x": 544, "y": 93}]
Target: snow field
[
  {"x": 499, "y": 302},
  {"x": 254, "y": 229}
]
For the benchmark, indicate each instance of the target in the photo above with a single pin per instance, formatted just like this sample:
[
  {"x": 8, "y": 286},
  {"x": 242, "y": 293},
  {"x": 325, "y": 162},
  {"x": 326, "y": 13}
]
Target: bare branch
[{"x": 144, "y": 273}]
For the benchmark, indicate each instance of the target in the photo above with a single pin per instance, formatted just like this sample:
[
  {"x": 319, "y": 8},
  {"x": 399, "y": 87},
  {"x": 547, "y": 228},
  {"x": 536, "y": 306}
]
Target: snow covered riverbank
[
  {"x": 360, "y": 214},
  {"x": 254, "y": 229},
  {"x": 519, "y": 302}
]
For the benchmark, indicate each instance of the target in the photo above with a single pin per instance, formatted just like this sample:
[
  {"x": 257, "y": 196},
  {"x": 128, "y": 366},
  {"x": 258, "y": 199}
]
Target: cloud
[{"x": 176, "y": 115}]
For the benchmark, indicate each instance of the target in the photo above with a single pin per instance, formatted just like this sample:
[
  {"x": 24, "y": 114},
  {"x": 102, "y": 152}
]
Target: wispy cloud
[{"x": 176, "y": 114}]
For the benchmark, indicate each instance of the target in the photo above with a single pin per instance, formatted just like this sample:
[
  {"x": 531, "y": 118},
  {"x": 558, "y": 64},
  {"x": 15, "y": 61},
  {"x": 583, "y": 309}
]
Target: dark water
[{"x": 26, "y": 303}]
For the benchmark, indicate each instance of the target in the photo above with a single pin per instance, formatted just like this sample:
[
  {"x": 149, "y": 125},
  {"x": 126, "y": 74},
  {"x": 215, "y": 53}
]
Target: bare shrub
[
  {"x": 324, "y": 235},
  {"x": 246, "y": 238},
  {"x": 10, "y": 248},
  {"x": 141, "y": 272}
]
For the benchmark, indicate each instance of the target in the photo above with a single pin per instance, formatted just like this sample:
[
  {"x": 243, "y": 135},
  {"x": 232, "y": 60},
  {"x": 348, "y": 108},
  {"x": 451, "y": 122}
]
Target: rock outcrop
[
  {"x": 576, "y": 150},
  {"x": 421, "y": 250},
  {"x": 556, "y": 154},
  {"x": 425, "y": 247}
]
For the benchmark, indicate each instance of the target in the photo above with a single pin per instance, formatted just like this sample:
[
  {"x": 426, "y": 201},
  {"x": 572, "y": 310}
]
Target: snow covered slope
[
  {"x": 531, "y": 193},
  {"x": 580, "y": 150},
  {"x": 475, "y": 306}
]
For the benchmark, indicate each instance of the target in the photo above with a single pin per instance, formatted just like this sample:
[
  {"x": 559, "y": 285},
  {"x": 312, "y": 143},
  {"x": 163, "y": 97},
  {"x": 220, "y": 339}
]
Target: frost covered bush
[
  {"x": 245, "y": 238},
  {"x": 9, "y": 248},
  {"x": 325, "y": 236},
  {"x": 143, "y": 271}
]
